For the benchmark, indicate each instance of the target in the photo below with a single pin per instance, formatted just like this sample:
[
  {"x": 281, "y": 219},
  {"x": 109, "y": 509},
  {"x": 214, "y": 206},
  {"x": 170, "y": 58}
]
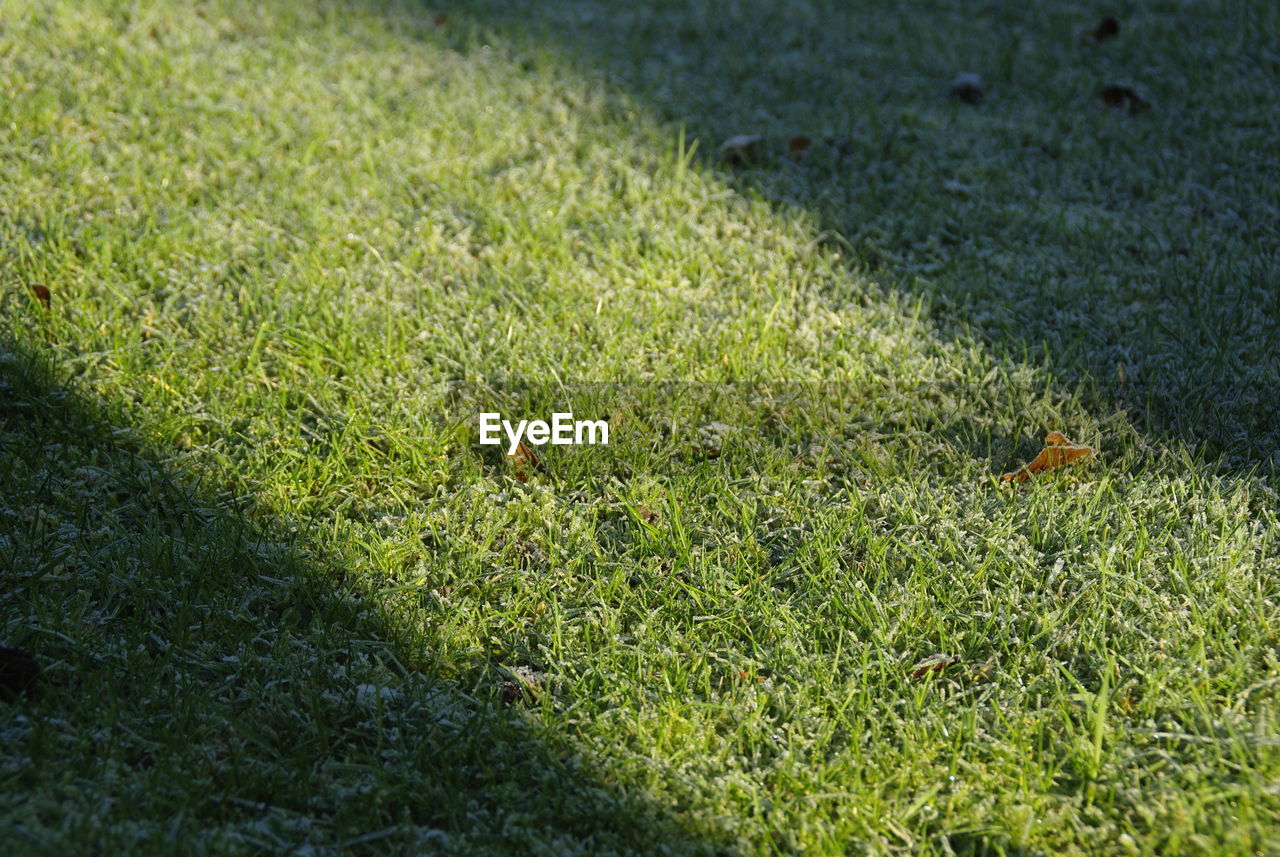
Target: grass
[{"x": 286, "y": 603}]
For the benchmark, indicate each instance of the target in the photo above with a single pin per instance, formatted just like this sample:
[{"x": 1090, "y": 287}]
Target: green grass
[{"x": 285, "y": 603}]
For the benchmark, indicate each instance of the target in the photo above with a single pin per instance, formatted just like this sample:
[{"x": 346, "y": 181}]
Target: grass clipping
[{"x": 1058, "y": 450}]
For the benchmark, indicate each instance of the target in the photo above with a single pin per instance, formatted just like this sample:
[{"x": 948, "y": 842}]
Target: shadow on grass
[
  {"x": 210, "y": 684},
  {"x": 1130, "y": 254}
]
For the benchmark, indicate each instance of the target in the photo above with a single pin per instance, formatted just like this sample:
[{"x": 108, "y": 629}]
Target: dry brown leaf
[
  {"x": 798, "y": 147},
  {"x": 933, "y": 664},
  {"x": 524, "y": 461},
  {"x": 42, "y": 293},
  {"x": 1117, "y": 95},
  {"x": 649, "y": 516},
  {"x": 1058, "y": 450},
  {"x": 1108, "y": 28}
]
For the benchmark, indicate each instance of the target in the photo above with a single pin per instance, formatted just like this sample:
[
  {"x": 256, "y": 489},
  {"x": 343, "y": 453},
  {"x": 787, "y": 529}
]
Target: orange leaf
[
  {"x": 933, "y": 664},
  {"x": 1057, "y": 452},
  {"x": 42, "y": 293},
  {"x": 524, "y": 460}
]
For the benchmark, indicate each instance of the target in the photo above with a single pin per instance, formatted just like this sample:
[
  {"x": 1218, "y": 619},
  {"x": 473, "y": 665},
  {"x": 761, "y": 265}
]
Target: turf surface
[{"x": 284, "y": 602}]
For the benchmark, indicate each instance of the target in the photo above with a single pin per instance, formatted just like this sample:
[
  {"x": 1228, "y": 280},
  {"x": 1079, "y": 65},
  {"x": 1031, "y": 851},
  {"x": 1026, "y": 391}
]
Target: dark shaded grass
[
  {"x": 1135, "y": 256},
  {"x": 220, "y": 671}
]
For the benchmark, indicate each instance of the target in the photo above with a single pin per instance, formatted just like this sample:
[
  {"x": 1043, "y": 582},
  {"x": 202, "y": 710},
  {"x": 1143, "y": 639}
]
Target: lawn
[{"x": 263, "y": 265}]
